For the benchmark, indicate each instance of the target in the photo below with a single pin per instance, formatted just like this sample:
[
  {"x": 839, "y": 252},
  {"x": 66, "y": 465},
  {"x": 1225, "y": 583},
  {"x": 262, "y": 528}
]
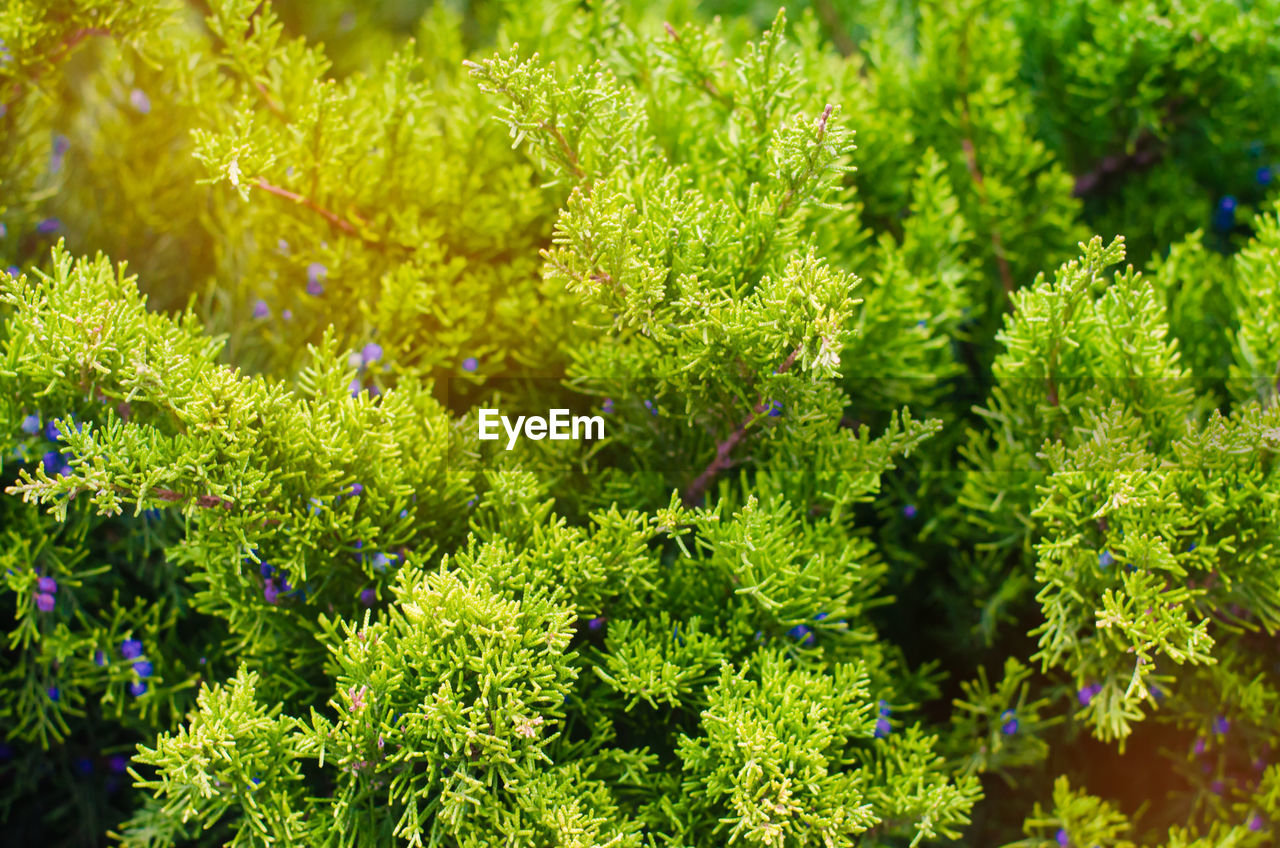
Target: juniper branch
[{"x": 724, "y": 450}]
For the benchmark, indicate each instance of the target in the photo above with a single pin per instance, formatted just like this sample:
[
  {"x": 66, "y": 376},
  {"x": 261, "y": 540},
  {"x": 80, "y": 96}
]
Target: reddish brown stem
[
  {"x": 206, "y": 501},
  {"x": 333, "y": 218},
  {"x": 724, "y": 450},
  {"x": 569, "y": 155}
]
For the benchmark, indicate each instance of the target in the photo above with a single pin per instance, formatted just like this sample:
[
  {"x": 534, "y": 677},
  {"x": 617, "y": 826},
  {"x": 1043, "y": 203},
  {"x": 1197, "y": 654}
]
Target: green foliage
[{"x": 896, "y": 535}]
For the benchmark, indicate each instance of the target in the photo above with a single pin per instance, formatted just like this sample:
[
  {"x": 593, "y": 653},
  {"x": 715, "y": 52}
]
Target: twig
[
  {"x": 333, "y": 218},
  {"x": 693, "y": 495},
  {"x": 206, "y": 501},
  {"x": 569, "y": 155},
  {"x": 704, "y": 78},
  {"x": 70, "y": 44},
  {"x": 1111, "y": 168},
  {"x": 839, "y": 37}
]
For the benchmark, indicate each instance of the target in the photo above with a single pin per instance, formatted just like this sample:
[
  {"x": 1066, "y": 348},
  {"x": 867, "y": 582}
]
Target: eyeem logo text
[{"x": 560, "y": 426}]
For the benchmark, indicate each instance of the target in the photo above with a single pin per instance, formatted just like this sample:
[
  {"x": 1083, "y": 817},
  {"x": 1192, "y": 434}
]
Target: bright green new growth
[{"x": 897, "y": 536}]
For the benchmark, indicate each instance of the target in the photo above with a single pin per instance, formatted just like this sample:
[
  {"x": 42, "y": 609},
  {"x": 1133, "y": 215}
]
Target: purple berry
[
  {"x": 131, "y": 649},
  {"x": 1256, "y": 823},
  {"x": 1221, "y": 725},
  {"x": 608, "y": 406},
  {"x": 372, "y": 353},
  {"x": 54, "y": 694},
  {"x": 1088, "y": 693},
  {"x": 357, "y": 489},
  {"x": 1224, "y": 217},
  {"x": 596, "y": 624},
  {"x": 801, "y": 633},
  {"x": 139, "y": 100},
  {"x": 48, "y": 226},
  {"x": 47, "y": 584},
  {"x": 775, "y": 409},
  {"x": 380, "y": 562},
  {"x": 1062, "y": 838},
  {"x": 137, "y": 689},
  {"x": 31, "y": 425},
  {"x": 1105, "y": 560},
  {"x": 368, "y": 597},
  {"x": 99, "y": 658},
  {"x": 261, "y": 310},
  {"x": 909, "y": 511},
  {"x": 883, "y": 727},
  {"x": 270, "y": 592},
  {"x": 470, "y": 364},
  {"x": 1199, "y": 747},
  {"x": 265, "y": 569},
  {"x": 118, "y": 764},
  {"x": 51, "y": 462},
  {"x": 143, "y": 668},
  {"x": 1010, "y": 722},
  {"x": 356, "y": 387},
  {"x": 44, "y": 602}
]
